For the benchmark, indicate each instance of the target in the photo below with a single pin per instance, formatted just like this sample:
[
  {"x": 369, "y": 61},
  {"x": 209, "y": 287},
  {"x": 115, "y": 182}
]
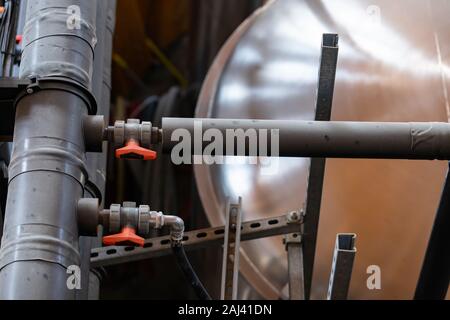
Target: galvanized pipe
[
  {"x": 47, "y": 171},
  {"x": 376, "y": 140}
]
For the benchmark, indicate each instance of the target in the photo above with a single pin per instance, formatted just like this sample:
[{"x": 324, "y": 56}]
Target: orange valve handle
[
  {"x": 126, "y": 237},
  {"x": 132, "y": 150}
]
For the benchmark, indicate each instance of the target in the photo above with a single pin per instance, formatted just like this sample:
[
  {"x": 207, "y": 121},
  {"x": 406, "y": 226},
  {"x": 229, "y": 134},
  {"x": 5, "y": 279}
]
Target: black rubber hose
[{"x": 189, "y": 273}]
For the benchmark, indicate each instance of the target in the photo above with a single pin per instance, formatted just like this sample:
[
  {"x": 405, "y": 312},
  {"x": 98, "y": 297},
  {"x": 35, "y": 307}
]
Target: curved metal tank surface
[{"x": 393, "y": 66}]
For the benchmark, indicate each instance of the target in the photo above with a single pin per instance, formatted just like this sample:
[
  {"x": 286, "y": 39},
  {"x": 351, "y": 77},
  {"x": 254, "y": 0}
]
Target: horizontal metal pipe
[{"x": 334, "y": 139}]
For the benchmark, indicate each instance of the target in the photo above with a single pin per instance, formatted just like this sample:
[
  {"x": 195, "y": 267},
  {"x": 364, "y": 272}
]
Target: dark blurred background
[{"x": 162, "y": 52}]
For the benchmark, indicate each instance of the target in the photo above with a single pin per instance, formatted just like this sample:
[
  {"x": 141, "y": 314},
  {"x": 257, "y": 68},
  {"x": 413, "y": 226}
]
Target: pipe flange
[
  {"x": 119, "y": 133},
  {"x": 114, "y": 218},
  {"x": 64, "y": 84},
  {"x": 146, "y": 134},
  {"x": 144, "y": 220}
]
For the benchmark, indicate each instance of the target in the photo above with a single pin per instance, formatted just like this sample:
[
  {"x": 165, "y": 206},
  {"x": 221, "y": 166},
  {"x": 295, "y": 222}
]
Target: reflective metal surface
[{"x": 393, "y": 66}]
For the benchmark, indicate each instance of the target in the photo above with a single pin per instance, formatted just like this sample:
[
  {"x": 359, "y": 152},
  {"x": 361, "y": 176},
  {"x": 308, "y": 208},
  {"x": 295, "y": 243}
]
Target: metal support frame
[
  {"x": 344, "y": 139},
  {"x": 294, "y": 250},
  {"x": 324, "y": 103},
  {"x": 434, "y": 277},
  {"x": 341, "y": 269},
  {"x": 197, "y": 239},
  {"x": 231, "y": 247},
  {"x": 325, "y": 139}
]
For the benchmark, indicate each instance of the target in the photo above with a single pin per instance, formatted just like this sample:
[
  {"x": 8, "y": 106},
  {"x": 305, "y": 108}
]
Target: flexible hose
[{"x": 189, "y": 273}]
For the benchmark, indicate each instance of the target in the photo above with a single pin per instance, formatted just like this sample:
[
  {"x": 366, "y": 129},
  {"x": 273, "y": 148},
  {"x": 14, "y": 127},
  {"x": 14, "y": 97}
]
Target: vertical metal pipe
[
  {"x": 96, "y": 162},
  {"x": 47, "y": 171}
]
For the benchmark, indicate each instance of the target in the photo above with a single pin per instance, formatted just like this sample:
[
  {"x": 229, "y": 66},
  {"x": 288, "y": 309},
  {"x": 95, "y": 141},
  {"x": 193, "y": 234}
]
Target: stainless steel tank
[{"x": 393, "y": 66}]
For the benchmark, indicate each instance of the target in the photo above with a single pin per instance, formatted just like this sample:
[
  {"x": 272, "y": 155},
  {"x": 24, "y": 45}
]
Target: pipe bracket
[{"x": 63, "y": 84}]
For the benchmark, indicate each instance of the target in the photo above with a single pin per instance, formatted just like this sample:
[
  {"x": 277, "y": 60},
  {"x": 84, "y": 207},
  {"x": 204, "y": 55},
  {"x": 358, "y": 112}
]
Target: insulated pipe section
[
  {"x": 47, "y": 172},
  {"x": 46, "y": 178},
  {"x": 59, "y": 39},
  {"x": 292, "y": 138}
]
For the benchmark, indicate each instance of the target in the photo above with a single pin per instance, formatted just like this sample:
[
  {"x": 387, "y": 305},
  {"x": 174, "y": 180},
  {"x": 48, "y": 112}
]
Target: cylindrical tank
[{"x": 393, "y": 66}]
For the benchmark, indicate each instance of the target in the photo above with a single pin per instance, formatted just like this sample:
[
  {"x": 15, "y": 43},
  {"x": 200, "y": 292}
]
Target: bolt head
[{"x": 294, "y": 216}]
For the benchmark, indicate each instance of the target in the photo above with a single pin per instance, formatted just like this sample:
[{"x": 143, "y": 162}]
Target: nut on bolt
[{"x": 295, "y": 216}]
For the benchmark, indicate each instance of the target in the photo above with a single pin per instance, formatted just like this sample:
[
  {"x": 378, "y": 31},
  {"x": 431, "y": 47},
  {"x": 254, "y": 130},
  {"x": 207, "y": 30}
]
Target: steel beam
[
  {"x": 435, "y": 274},
  {"x": 231, "y": 246},
  {"x": 324, "y": 103},
  {"x": 197, "y": 239},
  {"x": 342, "y": 267},
  {"x": 295, "y": 266}
]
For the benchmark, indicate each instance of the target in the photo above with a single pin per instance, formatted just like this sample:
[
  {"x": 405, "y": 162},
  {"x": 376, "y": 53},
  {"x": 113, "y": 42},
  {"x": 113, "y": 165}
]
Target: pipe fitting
[
  {"x": 156, "y": 220},
  {"x": 140, "y": 219},
  {"x": 88, "y": 216},
  {"x": 93, "y": 128},
  {"x": 176, "y": 225},
  {"x": 133, "y": 139},
  {"x": 132, "y": 129}
]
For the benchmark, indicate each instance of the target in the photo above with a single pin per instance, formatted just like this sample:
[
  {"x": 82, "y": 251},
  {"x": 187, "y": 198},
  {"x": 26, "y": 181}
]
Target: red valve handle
[
  {"x": 127, "y": 236},
  {"x": 132, "y": 150}
]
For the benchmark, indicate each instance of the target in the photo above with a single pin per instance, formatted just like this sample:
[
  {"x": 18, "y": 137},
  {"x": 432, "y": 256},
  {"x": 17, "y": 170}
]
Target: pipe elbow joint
[{"x": 176, "y": 225}]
